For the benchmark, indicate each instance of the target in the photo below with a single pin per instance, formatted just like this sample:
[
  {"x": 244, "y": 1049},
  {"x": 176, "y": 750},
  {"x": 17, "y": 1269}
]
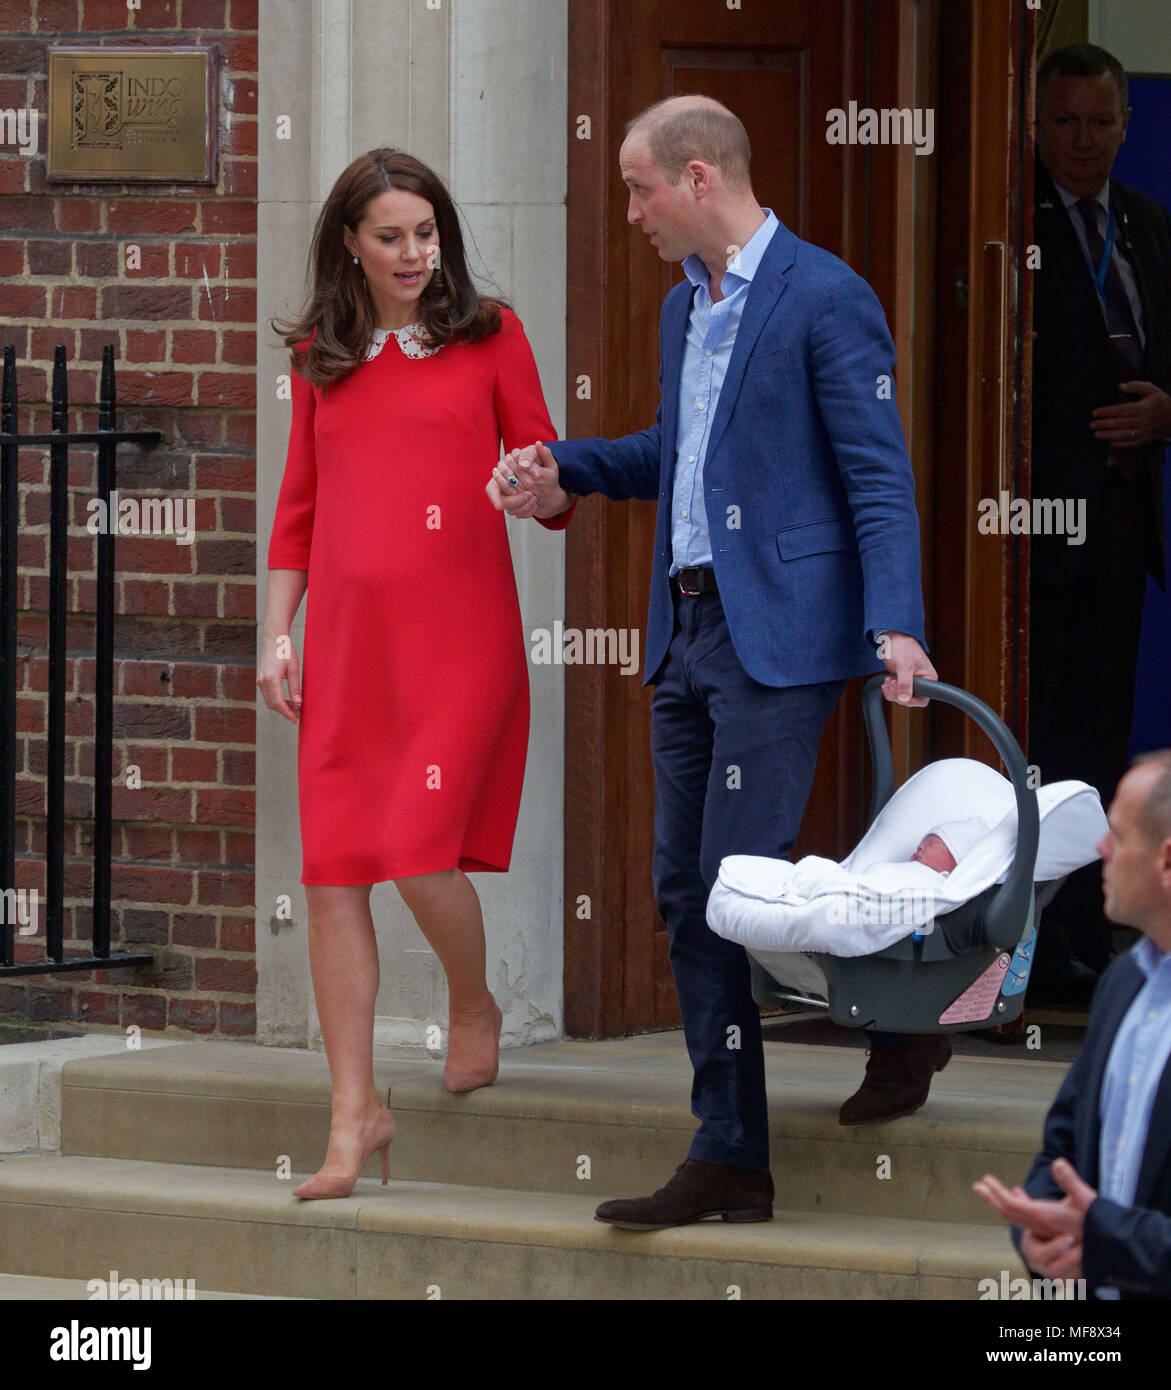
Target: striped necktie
[{"x": 1125, "y": 345}]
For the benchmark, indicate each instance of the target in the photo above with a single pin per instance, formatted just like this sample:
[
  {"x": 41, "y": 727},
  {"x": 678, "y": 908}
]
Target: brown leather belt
[{"x": 694, "y": 581}]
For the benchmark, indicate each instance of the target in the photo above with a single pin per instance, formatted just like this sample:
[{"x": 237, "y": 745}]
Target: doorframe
[
  {"x": 594, "y": 882},
  {"x": 597, "y": 755}
]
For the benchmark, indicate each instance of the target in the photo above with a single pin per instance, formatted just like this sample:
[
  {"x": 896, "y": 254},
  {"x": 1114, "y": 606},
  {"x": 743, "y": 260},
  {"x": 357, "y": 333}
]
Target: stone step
[
  {"x": 238, "y": 1230},
  {"x": 30, "y": 1085},
  {"x": 615, "y": 1110}
]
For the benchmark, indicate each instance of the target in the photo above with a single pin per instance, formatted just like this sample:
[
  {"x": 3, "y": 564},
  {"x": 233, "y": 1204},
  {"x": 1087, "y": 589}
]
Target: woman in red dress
[{"x": 412, "y": 702}]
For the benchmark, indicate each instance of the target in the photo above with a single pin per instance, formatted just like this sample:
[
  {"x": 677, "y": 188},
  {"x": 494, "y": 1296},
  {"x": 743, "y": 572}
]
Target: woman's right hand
[
  {"x": 534, "y": 489},
  {"x": 278, "y": 663}
]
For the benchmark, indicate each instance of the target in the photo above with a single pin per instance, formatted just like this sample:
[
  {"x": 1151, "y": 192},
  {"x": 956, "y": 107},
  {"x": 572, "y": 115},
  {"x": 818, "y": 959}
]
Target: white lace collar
[{"x": 410, "y": 340}]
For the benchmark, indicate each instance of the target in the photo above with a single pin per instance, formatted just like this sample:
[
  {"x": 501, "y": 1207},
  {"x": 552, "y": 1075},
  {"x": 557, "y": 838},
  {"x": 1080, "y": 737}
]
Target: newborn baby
[
  {"x": 938, "y": 852},
  {"x": 942, "y": 847},
  {"x": 932, "y": 851}
]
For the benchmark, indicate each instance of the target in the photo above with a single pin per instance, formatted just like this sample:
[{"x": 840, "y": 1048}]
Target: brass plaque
[{"x": 131, "y": 115}]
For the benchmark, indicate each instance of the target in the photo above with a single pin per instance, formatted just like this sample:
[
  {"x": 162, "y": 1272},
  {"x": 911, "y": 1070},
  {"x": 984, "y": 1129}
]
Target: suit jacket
[
  {"x": 1128, "y": 1248},
  {"x": 808, "y": 488},
  {"x": 1073, "y": 372}
]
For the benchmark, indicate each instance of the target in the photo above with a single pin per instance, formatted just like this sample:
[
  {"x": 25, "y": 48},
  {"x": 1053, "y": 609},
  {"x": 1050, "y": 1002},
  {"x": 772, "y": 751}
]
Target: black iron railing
[{"x": 107, "y": 438}]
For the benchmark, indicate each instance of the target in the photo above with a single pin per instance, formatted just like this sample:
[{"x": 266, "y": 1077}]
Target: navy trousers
[{"x": 734, "y": 764}]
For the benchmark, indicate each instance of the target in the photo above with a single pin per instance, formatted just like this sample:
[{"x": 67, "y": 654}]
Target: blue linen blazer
[
  {"x": 1127, "y": 1248},
  {"x": 808, "y": 488}
]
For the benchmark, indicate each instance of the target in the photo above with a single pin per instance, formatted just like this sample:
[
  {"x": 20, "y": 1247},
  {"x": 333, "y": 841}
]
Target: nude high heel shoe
[
  {"x": 473, "y": 1050},
  {"x": 379, "y": 1135}
]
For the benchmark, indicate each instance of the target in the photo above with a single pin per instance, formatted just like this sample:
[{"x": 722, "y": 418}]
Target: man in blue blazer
[
  {"x": 1097, "y": 1202},
  {"x": 786, "y": 561}
]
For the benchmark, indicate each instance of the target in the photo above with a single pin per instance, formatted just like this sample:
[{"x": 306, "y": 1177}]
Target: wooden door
[{"x": 780, "y": 68}]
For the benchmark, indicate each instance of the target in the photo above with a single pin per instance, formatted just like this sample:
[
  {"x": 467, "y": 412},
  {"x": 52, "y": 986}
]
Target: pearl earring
[{"x": 355, "y": 260}]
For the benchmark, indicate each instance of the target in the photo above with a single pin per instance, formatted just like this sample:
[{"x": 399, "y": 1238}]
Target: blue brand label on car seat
[{"x": 1017, "y": 975}]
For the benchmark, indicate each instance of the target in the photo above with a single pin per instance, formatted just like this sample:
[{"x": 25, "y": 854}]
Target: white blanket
[{"x": 875, "y": 896}]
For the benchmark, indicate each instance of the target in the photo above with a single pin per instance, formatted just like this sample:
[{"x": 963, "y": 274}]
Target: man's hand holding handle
[{"x": 905, "y": 659}]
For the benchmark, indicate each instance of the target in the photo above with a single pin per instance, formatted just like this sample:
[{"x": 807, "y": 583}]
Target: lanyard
[{"x": 1107, "y": 254}]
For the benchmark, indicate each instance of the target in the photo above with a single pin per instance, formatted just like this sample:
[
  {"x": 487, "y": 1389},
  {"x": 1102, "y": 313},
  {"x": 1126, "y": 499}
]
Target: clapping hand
[{"x": 525, "y": 483}]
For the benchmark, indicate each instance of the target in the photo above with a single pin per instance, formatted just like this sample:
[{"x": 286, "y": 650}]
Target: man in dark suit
[
  {"x": 1101, "y": 415},
  {"x": 1097, "y": 1201},
  {"x": 786, "y": 554}
]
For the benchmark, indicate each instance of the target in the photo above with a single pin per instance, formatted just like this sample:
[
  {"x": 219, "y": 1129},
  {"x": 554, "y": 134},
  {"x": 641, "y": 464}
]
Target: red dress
[{"x": 414, "y": 669}]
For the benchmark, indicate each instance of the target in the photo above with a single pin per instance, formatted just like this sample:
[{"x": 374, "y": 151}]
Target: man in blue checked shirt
[
  {"x": 786, "y": 561},
  {"x": 1097, "y": 1203}
]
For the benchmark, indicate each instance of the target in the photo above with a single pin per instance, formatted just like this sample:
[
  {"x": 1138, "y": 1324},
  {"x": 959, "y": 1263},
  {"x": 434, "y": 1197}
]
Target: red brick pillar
[{"x": 182, "y": 319}]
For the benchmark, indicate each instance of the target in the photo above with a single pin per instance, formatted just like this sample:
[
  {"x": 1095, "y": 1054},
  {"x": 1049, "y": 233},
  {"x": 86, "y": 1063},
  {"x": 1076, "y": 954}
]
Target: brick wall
[{"x": 183, "y": 329}]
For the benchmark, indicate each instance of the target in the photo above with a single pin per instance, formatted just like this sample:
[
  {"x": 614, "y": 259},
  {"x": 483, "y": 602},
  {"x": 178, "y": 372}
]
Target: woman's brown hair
[{"x": 339, "y": 305}]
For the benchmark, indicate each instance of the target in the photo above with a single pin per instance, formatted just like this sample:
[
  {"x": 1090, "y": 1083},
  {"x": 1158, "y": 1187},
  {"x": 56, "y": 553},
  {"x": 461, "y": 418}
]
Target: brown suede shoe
[
  {"x": 898, "y": 1079},
  {"x": 697, "y": 1190}
]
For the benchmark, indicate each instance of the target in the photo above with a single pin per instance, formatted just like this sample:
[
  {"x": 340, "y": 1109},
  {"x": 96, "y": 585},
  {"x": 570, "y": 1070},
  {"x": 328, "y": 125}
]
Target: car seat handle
[{"x": 1008, "y": 912}]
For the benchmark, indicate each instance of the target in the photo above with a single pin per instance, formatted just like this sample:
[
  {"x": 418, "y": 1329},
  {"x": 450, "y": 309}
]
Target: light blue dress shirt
[
  {"x": 1138, "y": 1057},
  {"x": 711, "y": 336}
]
